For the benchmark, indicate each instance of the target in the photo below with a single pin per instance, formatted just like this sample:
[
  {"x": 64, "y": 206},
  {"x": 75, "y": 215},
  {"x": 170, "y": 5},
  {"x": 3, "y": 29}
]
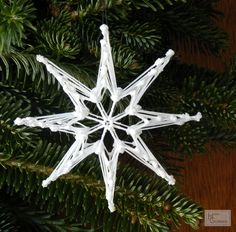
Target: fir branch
[
  {"x": 191, "y": 28},
  {"x": 156, "y": 4},
  {"x": 20, "y": 69},
  {"x": 57, "y": 37},
  {"x": 214, "y": 100},
  {"x": 86, "y": 8},
  {"x": 17, "y": 215},
  {"x": 136, "y": 200},
  {"x": 226, "y": 136},
  {"x": 15, "y": 17},
  {"x": 142, "y": 36},
  {"x": 7, "y": 222},
  {"x": 14, "y": 138}
]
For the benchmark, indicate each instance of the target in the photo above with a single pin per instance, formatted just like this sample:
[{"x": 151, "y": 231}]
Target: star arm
[
  {"x": 152, "y": 120},
  {"x": 64, "y": 122},
  {"x": 63, "y": 77},
  {"x": 108, "y": 163},
  {"x": 76, "y": 90},
  {"x": 106, "y": 64},
  {"x": 77, "y": 152},
  {"x": 139, "y": 150},
  {"x": 138, "y": 87},
  {"x": 106, "y": 73}
]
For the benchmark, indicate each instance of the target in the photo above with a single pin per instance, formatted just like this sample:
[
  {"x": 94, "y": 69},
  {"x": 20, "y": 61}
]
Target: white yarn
[{"x": 106, "y": 121}]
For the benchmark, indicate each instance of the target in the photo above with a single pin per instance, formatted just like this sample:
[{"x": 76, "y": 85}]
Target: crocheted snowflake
[{"x": 107, "y": 120}]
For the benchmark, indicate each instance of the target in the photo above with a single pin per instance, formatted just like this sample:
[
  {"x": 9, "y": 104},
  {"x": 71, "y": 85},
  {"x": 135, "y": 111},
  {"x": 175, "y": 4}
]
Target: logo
[{"x": 217, "y": 218}]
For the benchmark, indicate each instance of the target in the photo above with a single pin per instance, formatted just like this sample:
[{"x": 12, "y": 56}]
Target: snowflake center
[{"x": 108, "y": 123}]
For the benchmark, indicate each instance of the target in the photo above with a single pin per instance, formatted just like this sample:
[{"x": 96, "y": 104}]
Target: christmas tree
[{"x": 68, "y": 34}]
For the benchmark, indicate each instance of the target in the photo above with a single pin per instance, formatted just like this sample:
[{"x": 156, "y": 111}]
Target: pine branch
[
  {"x": 188, "y": 139},
  {"x": 13, "y": 138},
  {"x": 17, "y": 215},
  {"x": 15, "y": 17},
  {"x": 7, "y": 222},
  {"x": 136, "y": 200},
  {"x": 20, "y": 69},
  {"x": 156, "y": 4},
  {"x": 142, "y": 36},
  {"x": 226, "y": 136},
  {"x": 215, "y": 100},
  {"x": 191, "y": 28},
  {"x": 57, "y": 37},
  {"x": 197, "y": 89},
  {"x": 84, "y": 8}
]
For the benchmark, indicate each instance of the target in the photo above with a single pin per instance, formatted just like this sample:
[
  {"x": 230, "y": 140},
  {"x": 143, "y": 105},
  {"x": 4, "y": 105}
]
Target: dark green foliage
[
  {"x": 56, "y": 39},
  {"x": 67, "y": 32},
  {"x": 16, "y": 215},
  {"x": 15, "y": 17},
  {"x": 191, "y": 27},
  {"x": 138, "y": 197},
  {"x": 7, "y": 221},
  {"x": 212, "y": 94}
]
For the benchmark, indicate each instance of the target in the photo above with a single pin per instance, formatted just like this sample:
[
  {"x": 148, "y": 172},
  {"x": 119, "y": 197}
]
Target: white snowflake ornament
[{"x": 106, "y": 121}]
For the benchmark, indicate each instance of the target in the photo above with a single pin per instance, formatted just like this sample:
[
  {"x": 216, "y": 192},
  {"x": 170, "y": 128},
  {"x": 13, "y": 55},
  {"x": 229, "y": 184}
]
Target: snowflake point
[
  {"x": 112, "y": 208},
  {"x": 45, "y": 183},
  {"x": 198, "y": 116},
  {"x": 40, "y": 58},
  {"x": 170, "y": 53},
  {"x": 171, "y": 180},
  {"x": 18, "y": 121},
  {"x": 104, "y": 28}
]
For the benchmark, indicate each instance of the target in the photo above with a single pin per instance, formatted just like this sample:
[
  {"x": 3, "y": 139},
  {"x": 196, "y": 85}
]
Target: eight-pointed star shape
[{"x": 107, "y": 121}]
